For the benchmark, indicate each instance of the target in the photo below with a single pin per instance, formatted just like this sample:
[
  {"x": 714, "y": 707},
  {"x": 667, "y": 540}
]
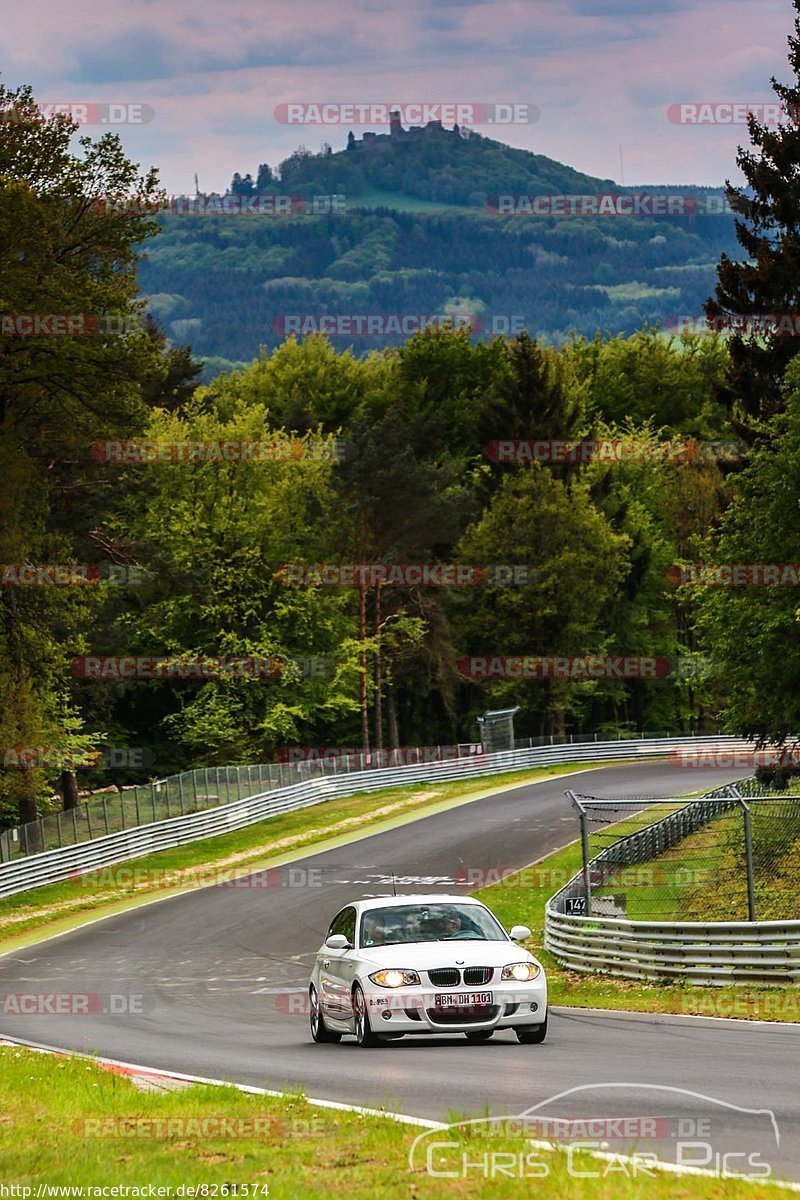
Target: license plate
[{"x": 463, "y": 999}]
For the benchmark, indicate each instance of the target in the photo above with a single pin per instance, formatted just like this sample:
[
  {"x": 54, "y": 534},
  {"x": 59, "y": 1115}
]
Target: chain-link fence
[
  {"x": 723, "y": 857},
  {"x": 192, "y": 791},
  {"x": 208, "y": 787}
]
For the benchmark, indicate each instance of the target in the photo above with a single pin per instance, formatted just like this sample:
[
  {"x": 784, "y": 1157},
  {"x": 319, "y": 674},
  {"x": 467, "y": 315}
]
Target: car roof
[{"x": 395, "y": 901}]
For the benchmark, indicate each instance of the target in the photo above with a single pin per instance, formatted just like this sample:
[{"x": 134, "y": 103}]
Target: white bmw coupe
[{"x": 424, "y": 964}]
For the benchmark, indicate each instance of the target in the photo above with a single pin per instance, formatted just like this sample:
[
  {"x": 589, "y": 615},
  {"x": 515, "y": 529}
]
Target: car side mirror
[
  {"x": 337, "y": 941},
  {"x": 520, "y": 933}
]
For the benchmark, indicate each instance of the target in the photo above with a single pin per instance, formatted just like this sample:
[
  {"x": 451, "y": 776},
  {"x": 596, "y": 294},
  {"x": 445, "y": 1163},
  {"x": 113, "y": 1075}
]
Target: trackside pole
[{"x": 587, "y": 887}]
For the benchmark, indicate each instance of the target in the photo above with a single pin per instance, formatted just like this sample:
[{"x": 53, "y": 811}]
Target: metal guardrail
[
  {"x": 188, "y": 792},
  {"x": 712, "y": 952},
  {"x": 717, "y": 952},
  {"x": 209, "y": 787},
  {"x": 52, "y": 866}
]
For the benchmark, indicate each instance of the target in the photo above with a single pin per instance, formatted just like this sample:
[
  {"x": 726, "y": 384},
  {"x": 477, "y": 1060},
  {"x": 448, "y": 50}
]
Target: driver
[
  {"x": 449, "y": 924},
  {"x": 439, "y": 924}
]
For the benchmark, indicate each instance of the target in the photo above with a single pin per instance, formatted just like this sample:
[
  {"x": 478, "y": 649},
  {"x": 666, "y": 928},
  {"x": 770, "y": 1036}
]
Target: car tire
[
  {"x": 532, "y": 1034},
  {"x": 479, "y": 1035},
  {"x": 319, "y": 1030},
  {"x": 363, "y": 1030}
]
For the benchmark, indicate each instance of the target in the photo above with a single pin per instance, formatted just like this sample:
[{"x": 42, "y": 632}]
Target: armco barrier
[
  {"x": 715, "y": 952},
  {"x": 709, "y": 952},
  {"x": 51, "y": 866}
]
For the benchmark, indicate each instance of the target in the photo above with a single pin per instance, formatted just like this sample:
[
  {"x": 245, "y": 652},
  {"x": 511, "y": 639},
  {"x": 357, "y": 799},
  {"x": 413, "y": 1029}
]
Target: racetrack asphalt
[{"x": 221, "y": 973}]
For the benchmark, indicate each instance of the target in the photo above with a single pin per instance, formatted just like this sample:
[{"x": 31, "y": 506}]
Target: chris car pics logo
[{"x": 606, "y": 1131}]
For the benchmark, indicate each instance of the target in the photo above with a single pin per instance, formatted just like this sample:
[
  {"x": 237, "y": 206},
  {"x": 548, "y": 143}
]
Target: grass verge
[
  {"x": 68, "y": 1122},
  {"x": 517, "y": 898},
  {"x": 521, "y": 899},
  {"x": 57, "y": 907},
  {"x": 705, "y": 874}
]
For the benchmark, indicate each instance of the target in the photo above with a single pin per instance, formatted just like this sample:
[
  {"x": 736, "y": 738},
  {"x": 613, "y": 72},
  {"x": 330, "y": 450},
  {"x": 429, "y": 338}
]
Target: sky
[{"x": 210, "y": 77}]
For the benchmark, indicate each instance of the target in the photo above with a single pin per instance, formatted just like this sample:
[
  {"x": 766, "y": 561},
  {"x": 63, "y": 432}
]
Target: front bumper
[{"x": 414, "y": 1009}]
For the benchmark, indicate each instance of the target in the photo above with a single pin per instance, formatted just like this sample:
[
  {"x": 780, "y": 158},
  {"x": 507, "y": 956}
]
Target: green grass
[
  {"x": 302, "y": 1150},
  {"x": 521, "y": 899},
  {"x": 401, "y": 202},
  {"x": 51, "y": 909},
  {"x": 57, "y": 1115},
  {"x": 704, "y": 878}
]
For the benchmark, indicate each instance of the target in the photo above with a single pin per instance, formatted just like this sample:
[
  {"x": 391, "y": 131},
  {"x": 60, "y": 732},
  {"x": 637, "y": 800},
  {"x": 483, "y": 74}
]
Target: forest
[{"x": 371, "y": 545}]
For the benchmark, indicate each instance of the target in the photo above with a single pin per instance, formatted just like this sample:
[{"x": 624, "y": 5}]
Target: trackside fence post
[
  {"x": 587, "y": 885},
  {"x": 748, "y": 859}
]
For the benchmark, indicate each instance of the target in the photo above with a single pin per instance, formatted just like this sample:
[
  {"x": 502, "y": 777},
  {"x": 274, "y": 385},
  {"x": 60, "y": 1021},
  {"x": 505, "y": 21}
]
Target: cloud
[
  {"x": 623, "y": 8},
  {"x": 139, "y": 54},
  {"x": 603, "y": 72}
]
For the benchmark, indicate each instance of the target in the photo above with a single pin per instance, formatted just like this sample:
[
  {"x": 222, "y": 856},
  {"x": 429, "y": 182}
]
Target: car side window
[{"x": 345, "y": 923}]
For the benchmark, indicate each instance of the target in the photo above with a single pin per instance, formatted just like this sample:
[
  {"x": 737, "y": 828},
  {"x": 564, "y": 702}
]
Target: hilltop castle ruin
[{"x": 398, "y": 134}]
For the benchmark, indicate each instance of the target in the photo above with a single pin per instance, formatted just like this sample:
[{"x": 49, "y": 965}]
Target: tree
[
  {"x": 66, "y": 247},
  {"x": 646, "y": 377},
  {"x": 579, "y": 564},
  {"x": 766, "y": 281},
  {"x": 664, "y": 509},
  {"x": 242, "y": 187},
  {"x": 398, "y": 504},
  {"x": 175, "y": 386},
  {"x": 265, "y": 180},
  {"x": 752, "y": 632},
  {"x": 215, "y": 536},
  {"x": 306, "y": 385}
]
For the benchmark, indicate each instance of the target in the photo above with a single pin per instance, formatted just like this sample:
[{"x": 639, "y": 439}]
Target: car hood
[{"x": 422, "y": 955}]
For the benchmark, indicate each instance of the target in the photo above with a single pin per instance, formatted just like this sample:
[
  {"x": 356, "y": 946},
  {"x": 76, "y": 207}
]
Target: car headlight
[
  {"x": 393, "y": 978},
  {"x": 521, "y": 972}
]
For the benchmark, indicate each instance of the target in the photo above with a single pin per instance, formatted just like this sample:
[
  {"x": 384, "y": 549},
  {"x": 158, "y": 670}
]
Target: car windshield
[{"x": 400, "y": 923}]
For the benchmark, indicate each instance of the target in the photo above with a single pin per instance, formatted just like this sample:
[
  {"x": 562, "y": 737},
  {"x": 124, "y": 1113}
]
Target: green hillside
[
  {"x": 435, "y": 165},
  {"x": 412, "y": 234}
]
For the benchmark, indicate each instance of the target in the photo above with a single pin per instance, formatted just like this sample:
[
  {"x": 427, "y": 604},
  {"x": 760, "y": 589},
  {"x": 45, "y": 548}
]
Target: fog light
[
  {"x": 387, "y": 1016},
  {"x": 534, "y": 1007}
]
